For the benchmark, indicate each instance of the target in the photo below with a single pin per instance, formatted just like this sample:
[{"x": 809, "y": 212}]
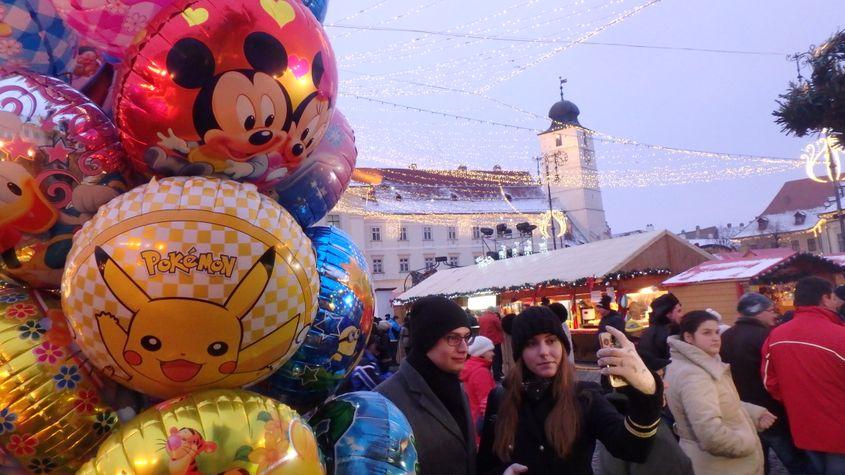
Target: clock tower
[{"x": 568, "y": 164}]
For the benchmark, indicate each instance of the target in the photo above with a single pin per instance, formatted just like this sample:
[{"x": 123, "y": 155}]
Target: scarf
[{"x": 445, "y": 386}]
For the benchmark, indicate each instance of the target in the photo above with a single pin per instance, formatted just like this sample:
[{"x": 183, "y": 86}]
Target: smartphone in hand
[{"x": 608, "y": 341}]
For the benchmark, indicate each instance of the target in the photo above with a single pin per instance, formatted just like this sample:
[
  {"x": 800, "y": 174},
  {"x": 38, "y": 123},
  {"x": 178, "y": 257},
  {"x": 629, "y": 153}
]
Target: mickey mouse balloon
[{"x": 237, "y": 89}]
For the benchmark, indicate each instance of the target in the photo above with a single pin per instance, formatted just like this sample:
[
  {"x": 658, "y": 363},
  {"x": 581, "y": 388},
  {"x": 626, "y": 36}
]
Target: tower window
[{"x": 558, "y": 140}]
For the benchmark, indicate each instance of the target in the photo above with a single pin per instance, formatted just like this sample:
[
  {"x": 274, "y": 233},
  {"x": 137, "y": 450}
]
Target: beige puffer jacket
[{"x": 717, "y": 430}]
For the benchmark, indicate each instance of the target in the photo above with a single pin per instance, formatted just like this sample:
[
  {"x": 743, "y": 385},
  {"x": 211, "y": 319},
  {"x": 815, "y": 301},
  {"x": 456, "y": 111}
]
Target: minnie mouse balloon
[
  {"x": 61, "y": 160},
  {"x": 226, "y": 88},
  {"x": 317, "y": 185}
]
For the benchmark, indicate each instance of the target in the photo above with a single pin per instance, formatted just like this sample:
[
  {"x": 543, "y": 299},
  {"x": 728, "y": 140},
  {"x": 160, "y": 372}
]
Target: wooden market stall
[
  {"x": 626, "y": 268},
  {"x": 772, "y": 272}
]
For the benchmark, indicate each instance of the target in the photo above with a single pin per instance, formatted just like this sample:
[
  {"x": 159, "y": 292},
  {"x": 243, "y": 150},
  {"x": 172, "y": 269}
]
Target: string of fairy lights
[{"x": 418, "y": 82}]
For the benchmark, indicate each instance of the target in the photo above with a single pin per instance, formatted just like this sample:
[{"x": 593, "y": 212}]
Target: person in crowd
[
  {"x": 507, "y": 349},
  {"x": 664, "y": 320},
  {"x": 404, "y": 345},
  {"x": 367, "y": 374},
  {"x": 473, "y": 319},
  {"x": 393, "y": 334},
  {"x": 542, "y": 421},
  {"x": 609, "y": 317},
  {"x": 477, "y": 377},
  {"x": 562, "y": 314},
  {"x": 385, "y": 354},
  {"x": 741, "y": 348},
  {"x": 723, "y": 327},
  {"x": 428, "y": 391},
  {"x": 804, "y": 367},
  {"x": 490, "y": 325},
  {"x": 666, "y": 456},
  {"x": 717, "y": 431},
  {"x": 840, "y": 294}
]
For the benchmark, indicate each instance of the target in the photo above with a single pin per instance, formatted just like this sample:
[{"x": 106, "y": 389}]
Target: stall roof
[
  {"x": 767, "y": 266},
  {"x": 650, "y": 251}
]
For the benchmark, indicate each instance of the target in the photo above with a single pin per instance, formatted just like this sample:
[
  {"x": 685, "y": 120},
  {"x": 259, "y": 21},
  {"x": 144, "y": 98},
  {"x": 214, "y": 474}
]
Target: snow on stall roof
[
  {"x": 731, "y": 269},
  {"x": 837, "y": 258},
  {"x": 595, "y": 259}
]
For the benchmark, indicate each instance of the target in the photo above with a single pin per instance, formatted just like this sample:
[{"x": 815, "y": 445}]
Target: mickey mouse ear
[
  {"x": 265, "y": 53},
  {"x": 190, "y": 63}
]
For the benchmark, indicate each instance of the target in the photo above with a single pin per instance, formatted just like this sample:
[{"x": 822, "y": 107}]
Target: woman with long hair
[
  {"x": 718, "y": 432},
  {"x": 542, "y": 421}
]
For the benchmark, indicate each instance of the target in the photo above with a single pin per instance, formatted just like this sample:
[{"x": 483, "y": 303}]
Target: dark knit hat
[
  {"x": 753, "y": 304},
  {"x": 507, "y": 323},
  {"x": 661, "y": 306},
  {"x": 560, "y": 310},
  {"x": 840, "y": 292},
  {"x": 431, "y": 318},
  {"x": 534, "y": 321},
  {"x": 605, "y": 301}
]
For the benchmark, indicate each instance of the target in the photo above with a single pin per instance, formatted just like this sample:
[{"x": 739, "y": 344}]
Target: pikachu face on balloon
[{"x": 186, "y": 344}]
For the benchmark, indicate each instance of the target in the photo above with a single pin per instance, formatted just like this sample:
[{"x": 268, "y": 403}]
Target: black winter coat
[
  {"x": 599, "y": 420},
  {"x": 741, "y": 348},
  {"x": 612, "y": 319},
  {"x": 653, "y": 340}
]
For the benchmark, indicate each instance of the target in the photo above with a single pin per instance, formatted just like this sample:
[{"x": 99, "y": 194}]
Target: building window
[
  {"x": 377, "y": 266},
  {"x": 403, "y": 233},
  {"x": 796, "y": 246},
  {"x": 452, "y": 233},
  {"x": 429, "y": 262},
  {"x": 812, "y": 246},
  {"x": 453, "y": 261},
  {"x": 476, "y": 232},
  {"x": 404, "y": 265},
  {"x": 427, "y": 233},
  {"x": 376, "y": 233},
  {"x": 841, "y": 244},
  {"x": 333, "y": 220},
  {"x": 558, "y": 140}
]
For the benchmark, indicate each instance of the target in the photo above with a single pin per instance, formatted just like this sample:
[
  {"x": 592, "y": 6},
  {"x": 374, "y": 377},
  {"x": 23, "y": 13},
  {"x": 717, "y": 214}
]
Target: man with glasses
[
  {"x": 427, "y": 388},
  {"x": 741, "y": 348}
]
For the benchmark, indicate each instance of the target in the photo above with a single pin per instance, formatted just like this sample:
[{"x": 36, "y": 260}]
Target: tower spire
[{"x": 562, "y": 82}]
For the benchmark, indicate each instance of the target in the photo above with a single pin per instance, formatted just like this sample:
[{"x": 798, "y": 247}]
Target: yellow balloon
[
  {"x": 51, "y": 417},
  {"x": 190, "y": 283},
  {"x": 228, "y": 432}
]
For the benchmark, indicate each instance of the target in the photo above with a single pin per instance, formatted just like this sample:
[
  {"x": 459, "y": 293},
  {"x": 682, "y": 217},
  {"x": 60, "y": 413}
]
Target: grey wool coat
[{"x": 441, "y": 448}]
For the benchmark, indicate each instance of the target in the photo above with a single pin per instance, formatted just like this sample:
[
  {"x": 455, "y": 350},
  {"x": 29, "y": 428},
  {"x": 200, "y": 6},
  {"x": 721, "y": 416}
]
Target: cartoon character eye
[
  {"x": 151, "y": 343},
  {"x": 268, "y": 109},
  {"x": 218, "y": 348},
  {"x": 14, "y": 188},
  {"x": 246, "y": 112}
]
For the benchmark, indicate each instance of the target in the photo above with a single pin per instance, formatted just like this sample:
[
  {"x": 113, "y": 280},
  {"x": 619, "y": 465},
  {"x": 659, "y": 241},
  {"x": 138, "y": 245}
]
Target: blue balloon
[
  {"x": 32, "y": 36},
  {"x": 318, "y": 7},
  {"x": 363, "y": 432},
  {"x": 340, "y": 330}
]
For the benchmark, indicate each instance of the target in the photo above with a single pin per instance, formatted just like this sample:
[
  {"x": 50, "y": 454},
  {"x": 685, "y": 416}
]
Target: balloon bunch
[{"x": 155, "y": 265}]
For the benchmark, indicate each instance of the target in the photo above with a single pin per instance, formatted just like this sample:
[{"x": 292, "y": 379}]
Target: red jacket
[
  {"x": 804, "y": 367},
  {"x": 490, "y": 325},
  {"x": 478, "y": 382}
]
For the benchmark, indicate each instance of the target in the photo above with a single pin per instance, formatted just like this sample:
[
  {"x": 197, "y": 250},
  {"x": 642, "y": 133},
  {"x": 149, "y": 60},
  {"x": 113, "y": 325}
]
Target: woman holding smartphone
[
  {"x": 718, "y": 431},
  {"x": 542, "y": 421}
]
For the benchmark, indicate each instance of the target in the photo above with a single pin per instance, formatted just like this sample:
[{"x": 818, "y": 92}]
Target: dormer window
[
  {"x": 508, "y": 197},
  {"x": 398, "y": 197},
  {"x": 800, "y": 218},
  {"x": 762, "y": 223},
  {"x": 454, "y": 197}
]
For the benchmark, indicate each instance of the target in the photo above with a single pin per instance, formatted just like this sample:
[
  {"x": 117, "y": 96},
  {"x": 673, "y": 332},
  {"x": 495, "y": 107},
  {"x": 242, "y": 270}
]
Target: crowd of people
[{"x": 488, "y": 394}]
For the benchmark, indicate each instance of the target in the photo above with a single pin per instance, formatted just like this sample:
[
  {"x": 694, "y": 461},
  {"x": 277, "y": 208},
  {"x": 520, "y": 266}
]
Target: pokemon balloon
[
  {"x": 340, "y": 330},
  {"x": 242, "y": 90},
  {"x": 217, "y": 431},
  {"x": 363, "y": 432},
  {"x": 316, "y": 186},
  {"x": 34, "y": 37},
  {"x": 186, "y": 284},
  {"x": 52, "y": 418},
  {"x": 60, "y": 160}
]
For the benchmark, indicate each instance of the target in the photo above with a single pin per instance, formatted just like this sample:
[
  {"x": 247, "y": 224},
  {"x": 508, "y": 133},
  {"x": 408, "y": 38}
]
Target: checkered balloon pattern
[
  {"x": 34, "y": 37},
  {"x": 167, "y": 259}
]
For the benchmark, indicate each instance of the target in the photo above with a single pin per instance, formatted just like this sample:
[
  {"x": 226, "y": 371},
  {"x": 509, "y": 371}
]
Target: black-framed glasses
[{"x": 453, "y": 339}]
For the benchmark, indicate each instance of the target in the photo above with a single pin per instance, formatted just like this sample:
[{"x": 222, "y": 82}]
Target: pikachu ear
[
  {"x": 251, "y": 287},
  {"x": 121, "y": 285}
]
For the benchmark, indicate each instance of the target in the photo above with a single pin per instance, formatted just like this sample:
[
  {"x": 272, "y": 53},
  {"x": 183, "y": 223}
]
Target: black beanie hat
[
  {"x": 534, "y": 321},
  {"x": 560, "y": 310},
  {"x": 431, "y": 318},
  {"x": 661, "y": 306}
]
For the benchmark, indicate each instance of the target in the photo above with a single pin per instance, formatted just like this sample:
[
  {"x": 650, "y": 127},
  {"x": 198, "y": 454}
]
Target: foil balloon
[
  {"x": 217, "y": 431},
  {"x": 317, "y": 185},
  {"x": 341, "y": 327},
  {"x": 60, "y": 160},
  {"x": 241, "y": 90},
  {"x": 186, "y": 284},
  {"x": 318, "y": 7},
  {"x": 363, "y": 432},
  {"x": 32, "y": 36},
  {"x": 111, "y": 26},
  {"x": 51, "y": 415}
]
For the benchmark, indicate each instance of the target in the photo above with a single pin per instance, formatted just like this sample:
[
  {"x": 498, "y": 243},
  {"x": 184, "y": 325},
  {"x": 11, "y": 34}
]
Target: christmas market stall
[
  {"x": 771, "y": 272},
  {"x": 628, "y": 269}
]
